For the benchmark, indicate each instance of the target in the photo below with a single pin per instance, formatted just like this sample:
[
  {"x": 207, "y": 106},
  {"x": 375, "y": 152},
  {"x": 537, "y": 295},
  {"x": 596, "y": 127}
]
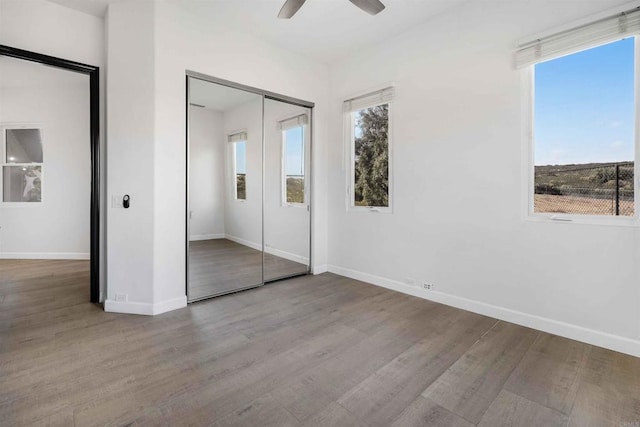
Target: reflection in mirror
[
  {"x": 23, "y": 146},
  {"x": 286, "y": 205},
  {"x": 293, "y": 156},
  {"x": 239, "y": 148},
  {"x": 225, "y": 189},
  {"x": 22, "y": 183}
]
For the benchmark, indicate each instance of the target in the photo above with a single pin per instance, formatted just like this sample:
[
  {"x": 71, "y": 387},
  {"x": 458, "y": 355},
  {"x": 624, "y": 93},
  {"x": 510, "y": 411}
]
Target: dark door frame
[{"x": 94, "y": 83}]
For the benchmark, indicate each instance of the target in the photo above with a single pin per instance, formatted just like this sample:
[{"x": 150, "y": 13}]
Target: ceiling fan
[{"x": 290, "y": 7}]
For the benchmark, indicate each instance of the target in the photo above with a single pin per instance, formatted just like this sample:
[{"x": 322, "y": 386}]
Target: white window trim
[
  {"x": 283, "y": 175},
  {"x": 3, "y": 158},
  {"x": 349, "y": 135},
  {"x": 567, "y": 26},
  {"x": 528, "y": 178}
]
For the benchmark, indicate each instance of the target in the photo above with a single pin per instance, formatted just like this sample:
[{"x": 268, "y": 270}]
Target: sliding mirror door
[
  {"x": 287, "y": 224},
  {"x": 224, "y": 212}
]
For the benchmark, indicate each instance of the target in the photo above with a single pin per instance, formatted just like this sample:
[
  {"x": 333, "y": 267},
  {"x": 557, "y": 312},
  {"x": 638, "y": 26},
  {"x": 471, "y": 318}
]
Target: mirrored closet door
[
  {"x": 225, "y": 189},
  {"x": 248, "y": 188},
  {"x": 286, "y": 190}
]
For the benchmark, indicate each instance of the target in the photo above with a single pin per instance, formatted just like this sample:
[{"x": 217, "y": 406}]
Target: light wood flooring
[
  {"x": 220, "y": 265},
  {"x": 310, "y": 351}
]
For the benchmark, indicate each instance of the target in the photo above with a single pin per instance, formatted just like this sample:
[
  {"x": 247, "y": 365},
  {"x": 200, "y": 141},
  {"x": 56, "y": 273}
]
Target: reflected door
[
  {"x": 225, "y": 137},
  {"x": 287, "y": 225}
]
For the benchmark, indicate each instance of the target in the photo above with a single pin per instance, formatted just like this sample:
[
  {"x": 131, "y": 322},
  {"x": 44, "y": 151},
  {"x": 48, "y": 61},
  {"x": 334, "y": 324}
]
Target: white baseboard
[
  {"x": 170, "y": 305},
  {"x": 273, "y": 251},
  {"x": 45, "y": 255},
  {"x": 143, "y": 308},
  {"x": 567, "y": 330},
  {"x": 196, "y": 237},
  {"x": 287, "y": 255},
  {"x": 319, "y": 269},
  {"x": 236, "y": 239}
]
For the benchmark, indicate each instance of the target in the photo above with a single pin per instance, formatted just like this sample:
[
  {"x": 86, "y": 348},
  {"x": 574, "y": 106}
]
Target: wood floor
[
  {"x": 311, "y": 351},
  {"x": 220, "y": 265}
]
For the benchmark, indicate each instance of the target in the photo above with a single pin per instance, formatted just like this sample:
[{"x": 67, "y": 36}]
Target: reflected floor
[{"x": 220, "y": 265}]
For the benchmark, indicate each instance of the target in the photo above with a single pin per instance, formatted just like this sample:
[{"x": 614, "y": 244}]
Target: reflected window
[
  {"x": 22, "y": 165},
  {"x": 240, "y": 169},
  {"x": 293, "y": 179},
  {"x": 238, "y": 142}
]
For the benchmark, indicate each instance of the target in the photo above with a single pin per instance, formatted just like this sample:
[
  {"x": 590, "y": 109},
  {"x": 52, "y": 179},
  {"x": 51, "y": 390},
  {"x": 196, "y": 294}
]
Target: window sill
[
  {"x": 610, "y": 221},
  {"x": 372, "y": 210},
  {"x": 20, "y": 204}
]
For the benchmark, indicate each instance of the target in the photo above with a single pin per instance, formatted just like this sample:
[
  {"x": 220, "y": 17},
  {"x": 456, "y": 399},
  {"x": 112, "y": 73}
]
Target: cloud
[{"x": 616, "y": 124}]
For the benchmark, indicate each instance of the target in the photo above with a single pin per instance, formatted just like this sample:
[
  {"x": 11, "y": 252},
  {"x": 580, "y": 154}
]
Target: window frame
[
  {"x": 528, "y": 158},
  {"x": 349, "y": 125},
  {"x": 234, "y": 175},
  {"x": 283, "y": 175},
  {"x": 4, "y": 163}
]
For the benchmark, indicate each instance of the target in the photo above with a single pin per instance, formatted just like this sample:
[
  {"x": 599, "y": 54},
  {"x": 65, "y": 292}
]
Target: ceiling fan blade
[
  {"x": 289, "y": 8},
  {"x": 372, "y": 7}
]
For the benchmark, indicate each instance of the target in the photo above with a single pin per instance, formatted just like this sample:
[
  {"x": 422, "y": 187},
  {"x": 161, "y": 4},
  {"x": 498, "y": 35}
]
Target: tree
[{"x": 372, "y": 157}]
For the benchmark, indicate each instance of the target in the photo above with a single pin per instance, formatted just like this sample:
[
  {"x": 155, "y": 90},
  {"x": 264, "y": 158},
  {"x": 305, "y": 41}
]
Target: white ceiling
[
  {"x": 326, "y": 30},
  {"x": 92, "y": 7},
  {"x": 218, "y": 97}
]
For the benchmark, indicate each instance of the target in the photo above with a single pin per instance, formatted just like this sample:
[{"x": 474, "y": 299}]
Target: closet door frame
[{"x": 265, "y": 95}]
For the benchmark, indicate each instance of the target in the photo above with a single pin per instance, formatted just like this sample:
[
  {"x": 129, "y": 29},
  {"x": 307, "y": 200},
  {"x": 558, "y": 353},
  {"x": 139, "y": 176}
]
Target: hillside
[{"x": 588, "y": 178}]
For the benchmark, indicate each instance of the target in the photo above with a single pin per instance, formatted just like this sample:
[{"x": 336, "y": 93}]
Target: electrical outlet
[
  {"x": 122, "y": 297},
  {"x": 427, "y": 286}
]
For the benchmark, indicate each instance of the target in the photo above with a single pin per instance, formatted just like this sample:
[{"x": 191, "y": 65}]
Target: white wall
[
  {"x": 458, "y": 211},
  {"x": 206, "y": 173},
  {"x": 48, "y": 28},
  {"x": 57, "y": 101},
  {"x": 146, "y": 248},
  {"x": 186, "y": 41},
  {"x": 131, "y": 165},
  {"x": 243, "y": 218}
]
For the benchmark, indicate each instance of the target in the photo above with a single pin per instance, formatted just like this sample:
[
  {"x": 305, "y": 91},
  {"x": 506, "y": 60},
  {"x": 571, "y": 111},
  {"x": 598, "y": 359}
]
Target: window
[
  {"x": 368, "y": 120},
  {"x": 22, "y": 165},
  {"x": 239, "y": 161},
  {"x": 293, "y": 159},
  {"x": 584, "y": 147}
]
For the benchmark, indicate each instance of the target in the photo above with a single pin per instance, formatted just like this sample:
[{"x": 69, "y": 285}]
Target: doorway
[{"x": 31, "y": 186}]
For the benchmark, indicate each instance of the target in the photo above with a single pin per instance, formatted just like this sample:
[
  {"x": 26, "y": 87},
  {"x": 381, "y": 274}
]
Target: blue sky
[
  {"x": 584, "y": 106},
  {"x": 294, "y": 160},
  {"x": 241, "y": 157}
]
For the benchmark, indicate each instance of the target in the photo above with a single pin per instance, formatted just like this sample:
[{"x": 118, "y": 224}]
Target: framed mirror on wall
[
  {"x": 50, "y": 162},
  {"x": 248, "y": 187}
]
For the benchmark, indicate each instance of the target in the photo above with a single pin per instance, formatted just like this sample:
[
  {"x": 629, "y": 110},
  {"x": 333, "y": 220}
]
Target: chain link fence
[
  {"x": 295, "y": 188},
  {"x": 603, "y": 189}
]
